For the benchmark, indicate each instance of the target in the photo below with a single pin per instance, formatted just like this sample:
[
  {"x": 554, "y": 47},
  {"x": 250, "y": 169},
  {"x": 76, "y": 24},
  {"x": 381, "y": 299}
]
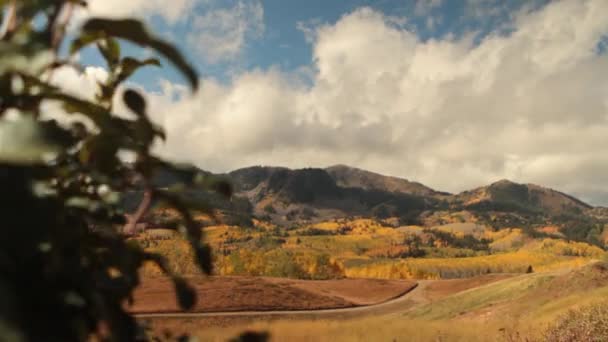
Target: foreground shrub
[
  {"x": 67, "y": 267},
  {"x": 588, "y": 324}
]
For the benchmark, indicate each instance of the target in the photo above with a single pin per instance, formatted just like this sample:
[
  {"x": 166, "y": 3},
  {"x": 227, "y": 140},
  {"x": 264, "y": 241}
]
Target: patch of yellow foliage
[
  {"x": 178, "y": 253},
  {"x": 356, "y": 227},
  {"x": 343, "y": 246},
  {"x": 505, "y": 239},
  {"x": 564, "y": 248},
  {"x": 550, "y": 255}
]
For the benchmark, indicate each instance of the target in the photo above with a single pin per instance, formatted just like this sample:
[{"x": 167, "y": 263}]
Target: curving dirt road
[{"x": 408, "y": 299}]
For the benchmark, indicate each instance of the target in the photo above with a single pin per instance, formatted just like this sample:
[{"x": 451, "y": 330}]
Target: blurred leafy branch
[{"x": 67, "y": 267}]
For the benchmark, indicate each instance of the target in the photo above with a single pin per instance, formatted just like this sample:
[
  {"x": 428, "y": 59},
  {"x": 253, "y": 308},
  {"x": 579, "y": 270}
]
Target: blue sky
[
  {"x": 283, "y": 43},
  {"x": 451, "y": 93}
]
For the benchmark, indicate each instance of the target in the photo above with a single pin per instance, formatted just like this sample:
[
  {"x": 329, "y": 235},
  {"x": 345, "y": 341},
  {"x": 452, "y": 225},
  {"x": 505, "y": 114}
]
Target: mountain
[
  {"x": 300, "y": 186},
  {"x": 291, "y": 196},
  {"x": 284, "y": 195},
  {"x": 354, "y": 191},
  {"x": 600, "y": 213},
  {"x": 248, "y": 178},
  {"x": 505, "y": 195},
  {"x": 352, "y": 177}
]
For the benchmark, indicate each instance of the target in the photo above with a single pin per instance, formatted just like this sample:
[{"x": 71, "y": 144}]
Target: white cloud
[
  {"x": 83, "y": 85},
  {"x": 170, "y": 11},
  {"x": 221, "y": 34},
  {"x": 530, "y": 106}
]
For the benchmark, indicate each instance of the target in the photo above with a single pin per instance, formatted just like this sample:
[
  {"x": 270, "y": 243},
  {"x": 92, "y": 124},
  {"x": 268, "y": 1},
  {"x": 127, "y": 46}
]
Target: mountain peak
[
  {"x": 508, "y": 194},
  {"x": 504, "y": 181},
  {"x": 341, "y": 166},
  {"x": 352, "y": 177}
]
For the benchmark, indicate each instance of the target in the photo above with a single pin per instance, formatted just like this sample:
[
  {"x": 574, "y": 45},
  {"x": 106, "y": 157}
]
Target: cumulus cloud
[
  {"x": 76, "y": 83},
  {"x": 171, "y": 12},
  {"x": 454, "y": 113},
  {"x": 221, "y": 34}
]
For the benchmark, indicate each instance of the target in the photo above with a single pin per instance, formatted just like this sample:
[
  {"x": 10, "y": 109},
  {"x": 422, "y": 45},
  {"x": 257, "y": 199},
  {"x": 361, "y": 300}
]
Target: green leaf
[
  {"x": 186, "y": 295},
  {"x": 135, "y": 32},
  {"x": 129, "y": 65},
  {"x": 194, "y": 233},
  {"x": 31, "y": 81},
  {"x": 100, "y": 151},
  {"x": 83, "y": 40},
  {"x": 135, "y": 102},
  {"x": 28, "y": 58},
  {"x": 27, "y": 141},
  {"x": 159, "y": 260},
  {"x": 144, "y": 129},
  {"x": 9, "y": 332},
  {"x": 252, "y": 336},
  {"x": 99, "y": 115},
  {"x": 110, "y": 50},
  {"x": 204, "y": 258},
  {"x": 125, "y": 68}
]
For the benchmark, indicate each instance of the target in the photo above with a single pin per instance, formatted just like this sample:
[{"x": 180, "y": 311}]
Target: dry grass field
[
  {"x": 228, "y": 294},
  {"x": 473, "y": 283},
  {"x": 356, "y": 291},
  {"x": 442, "y": 288},
  {"x": 487, "y": 308}
]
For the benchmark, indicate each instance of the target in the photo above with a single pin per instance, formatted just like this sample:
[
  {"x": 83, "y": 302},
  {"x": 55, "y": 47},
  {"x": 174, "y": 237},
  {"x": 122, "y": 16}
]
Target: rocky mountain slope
[
  {"x": 283, "y": 195},
  {"x": 506, "y": 195},
  {"x": 351, "y": 177},
  {"x": 289, "y": 197}
]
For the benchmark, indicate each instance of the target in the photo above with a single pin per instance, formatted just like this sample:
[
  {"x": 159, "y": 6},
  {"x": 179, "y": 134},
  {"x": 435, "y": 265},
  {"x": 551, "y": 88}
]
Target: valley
[
  {"x": 485, "y": 308},
  {"x": 308, "y": 253}
]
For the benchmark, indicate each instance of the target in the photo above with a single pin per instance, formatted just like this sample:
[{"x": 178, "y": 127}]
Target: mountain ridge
[
  {"x": 288, "y": 197},
  {"x": 528, "y": 194},
  {"x": 349, "y": 176},
  {"x": 352, "y": 177},
  {"x": 341, "y": 190}
]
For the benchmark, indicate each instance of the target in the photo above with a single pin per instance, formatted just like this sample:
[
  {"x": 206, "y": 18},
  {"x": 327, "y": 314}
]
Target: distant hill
[
  {"x": 354, "y": 191},
  {"x": 304, "y": 186},
  {"x": 314, "y": 194},
  {"x": 351, "y": 177},
  {"x": 289, "y": 197},
  {"x": 248, "y": 178},
  {"x": 600, "y": 213},
  {"x": 505, "y": 195}
]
